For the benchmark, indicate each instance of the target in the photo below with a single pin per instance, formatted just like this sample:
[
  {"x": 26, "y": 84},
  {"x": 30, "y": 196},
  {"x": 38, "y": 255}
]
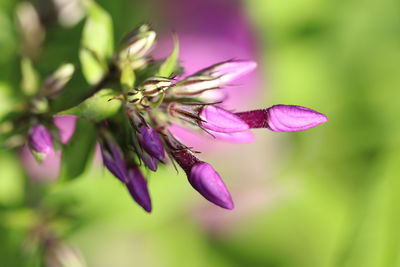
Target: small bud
[
  {"x": 113, "y": 158},
  {"x": 219, "y": 120},
  {"x": 155, "y": 85},
  {"x": 201, "y": 175},
  {"x": 54, "y": 83},
  {"x": 283, "y": 118},
  {"x": 138, "y": 42},
  {"x": 209, "y": 184},
  {"x": 137, "y": 186},
  {"x": 151, "y": 142},
  {"x": 40, "y": 141},
  {"x": 228, "y": 71}
]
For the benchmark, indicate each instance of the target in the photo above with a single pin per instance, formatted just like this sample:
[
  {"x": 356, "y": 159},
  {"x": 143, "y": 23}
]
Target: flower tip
[
  {"x": 209, "y": 184},
  {"x": 290, "y": 118},
  {"x": 137, "y": 186}
]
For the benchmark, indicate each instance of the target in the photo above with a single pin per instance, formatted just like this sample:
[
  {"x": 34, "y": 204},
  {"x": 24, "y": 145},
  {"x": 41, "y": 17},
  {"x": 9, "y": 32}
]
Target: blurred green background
[{"x": 326, "y": 197}]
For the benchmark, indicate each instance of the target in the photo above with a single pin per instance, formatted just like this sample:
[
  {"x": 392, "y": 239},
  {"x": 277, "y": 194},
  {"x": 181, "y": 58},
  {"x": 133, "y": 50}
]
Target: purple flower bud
[
  {"x": 149, "y": 161},
  {"x": 150, "y": 141},
  {"x": 219, "y": 120},
  {"x": 137, "y": 186},
  {"x": 209, "y": 184},
  {"x": 283, "y": 118},
  {"x": 40, "y": 141},
  {"x": 113, "y": 158},
  {"x": 202, "y": 176},
  {"x": 229, "y": 70}
]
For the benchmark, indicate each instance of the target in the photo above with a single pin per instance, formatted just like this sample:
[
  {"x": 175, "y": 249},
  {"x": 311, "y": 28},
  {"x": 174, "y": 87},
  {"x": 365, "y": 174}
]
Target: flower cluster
[
  {"x": 193, "y": 101},
  {"x": 153, "y": 97}
]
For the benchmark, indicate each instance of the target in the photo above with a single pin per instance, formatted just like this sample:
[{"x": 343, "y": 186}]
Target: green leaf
[
  {"x": 171, "y": 63},
  {"x": 98, "y": 107},
  {"x": 97, "y": 42},
  {"x": 79, "y": 150},
  {"x": 30, "y": 77}
]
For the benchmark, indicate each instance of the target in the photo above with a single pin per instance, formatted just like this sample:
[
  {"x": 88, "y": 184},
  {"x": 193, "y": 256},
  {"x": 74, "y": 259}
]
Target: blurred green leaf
[
  {"x": 97, "y": 42},
  {"x": 11, "y": 179},
  {"x": 6, "y": 100},
  {"x": 171, "y": 63},
  {"x": 96, "y": 108},
  {"x": 79, "y": 150},
  {"x": 30, "y": 77}
]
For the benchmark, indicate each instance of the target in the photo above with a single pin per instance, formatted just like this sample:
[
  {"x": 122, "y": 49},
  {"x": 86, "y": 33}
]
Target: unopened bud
[
  {"x": 40, "y": 142},
  {"x": 283, "y": 118},
  {"x": 113, "y": 158},
  {"x": 54, "y": 84},
  {"x": 137, "y": 186},
  {"x": 138, "y": 43}
]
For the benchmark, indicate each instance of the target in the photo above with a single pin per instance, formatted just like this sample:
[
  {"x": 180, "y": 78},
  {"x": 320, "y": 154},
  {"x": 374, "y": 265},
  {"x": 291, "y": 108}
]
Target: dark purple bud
[
  {"x": 219, "y": 120},
  {"x": 203, "y": 178},
  {"x": 151, "y": 142},
  {"x": 40, "y": 141},
  {"x": 283, "y": 118},
  {"x": 209, "y": 184},
  {"x": 113, "y": 158},
  {"x": 137, "y": 186}
]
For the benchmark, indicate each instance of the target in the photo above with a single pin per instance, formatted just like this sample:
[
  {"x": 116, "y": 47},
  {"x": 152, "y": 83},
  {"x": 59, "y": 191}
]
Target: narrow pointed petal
[
  {"x": 288, "y": 118},
  {"x": 219, "y": 120},
  {"x": 137, "y": 186},
  {"x": 151, "y": 142},
  {"x": 229, "y": 71},
  {"x": 209, "y": 184}
]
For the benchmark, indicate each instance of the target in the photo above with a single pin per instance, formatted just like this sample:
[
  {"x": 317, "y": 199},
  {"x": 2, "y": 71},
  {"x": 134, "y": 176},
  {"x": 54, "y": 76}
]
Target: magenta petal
[
  {"x": 288, "y": 118},
  {"x": 238, "y": 137},
  {"x": 234, "y": 70},
  {"x": 66, "y": 125},
  {"x": 209, "y": 184},
  {"x": 219, "y": 120}
]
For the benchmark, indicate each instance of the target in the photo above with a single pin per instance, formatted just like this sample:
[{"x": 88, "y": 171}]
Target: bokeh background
[{"x": 325, "y": 197}]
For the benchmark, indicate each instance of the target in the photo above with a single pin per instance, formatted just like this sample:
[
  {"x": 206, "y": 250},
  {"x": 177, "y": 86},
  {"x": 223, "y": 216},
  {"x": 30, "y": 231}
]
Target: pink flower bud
[
  {"x": 287, "y": 118},
  {"x": 283, "y": 118},
  {"x": 40, "y": 141},
  {"x": 219, "y": 120}
]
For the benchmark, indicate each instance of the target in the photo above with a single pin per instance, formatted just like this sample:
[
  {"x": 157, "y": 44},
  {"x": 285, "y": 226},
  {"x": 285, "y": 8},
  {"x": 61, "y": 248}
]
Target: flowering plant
[{"x": 133, "y": 103}]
